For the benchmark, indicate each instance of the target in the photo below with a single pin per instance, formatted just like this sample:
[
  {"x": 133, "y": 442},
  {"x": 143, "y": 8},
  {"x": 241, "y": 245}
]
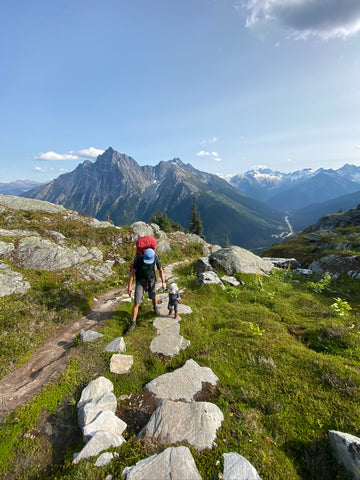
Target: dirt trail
[{"x": 47, "y": 363}]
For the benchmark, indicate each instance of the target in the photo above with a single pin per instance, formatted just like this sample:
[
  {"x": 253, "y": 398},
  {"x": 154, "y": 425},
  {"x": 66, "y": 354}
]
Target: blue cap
[{"x": 149, "y": 255}]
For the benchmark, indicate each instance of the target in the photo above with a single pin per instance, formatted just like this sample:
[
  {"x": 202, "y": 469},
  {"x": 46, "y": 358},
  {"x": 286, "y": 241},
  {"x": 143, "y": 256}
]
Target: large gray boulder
[
  {"x": 237, "y": 467},
  {"x": 21, "y": 203},
  {"x": 238, "y": 260},
  {"x": 209, "y": 278},
  {"x": 195, "y": 423},
  {"x": 95, "y": 389},
  {"x": 6, "y": 247},
  {"x": 172, "y": 463},
  {"x": 106, "y": 421},
  {"x": 91, "y": 410},
  {"x": 203, "y": 265},
  {"x": 346, "y": 449},
  {"x": 98, "y": 443},
  {"x": 184, "y": 384},
  {"x": 11, "y": 282},
  {"x": 41, "y": 254}
]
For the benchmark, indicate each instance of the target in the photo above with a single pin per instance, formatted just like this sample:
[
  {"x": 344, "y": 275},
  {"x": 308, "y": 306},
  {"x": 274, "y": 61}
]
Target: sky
[{"x": 225, "y": 85}]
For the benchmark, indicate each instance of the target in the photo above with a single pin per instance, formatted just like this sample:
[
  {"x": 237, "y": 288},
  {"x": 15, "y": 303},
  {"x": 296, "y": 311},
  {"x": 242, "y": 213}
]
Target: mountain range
[
  {"x": 306, "y": 195},
  {"x": 17, "y": 187},
  {"x": 116, "y": 187}
]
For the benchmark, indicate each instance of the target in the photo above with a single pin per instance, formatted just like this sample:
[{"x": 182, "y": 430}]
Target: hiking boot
[
  {"x": 176, "y": 315},
  {"x": 132, "y": 324},
  {"x": 169, "y": 312},
  {"x": 156, "y": 311}
]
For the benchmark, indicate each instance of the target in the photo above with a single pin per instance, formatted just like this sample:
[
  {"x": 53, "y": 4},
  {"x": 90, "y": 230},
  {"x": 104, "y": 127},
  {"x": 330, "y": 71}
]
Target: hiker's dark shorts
[{"x": 142, "y": 287}]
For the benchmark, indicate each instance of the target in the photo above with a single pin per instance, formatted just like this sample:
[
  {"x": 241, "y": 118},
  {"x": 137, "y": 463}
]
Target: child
[{"x": 174, "y": 299}]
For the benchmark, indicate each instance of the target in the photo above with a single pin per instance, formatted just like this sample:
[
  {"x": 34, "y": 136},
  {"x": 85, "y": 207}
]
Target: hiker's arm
[
  {"x": 131, "y": 278},
  {"x": 162, "y": 276}
]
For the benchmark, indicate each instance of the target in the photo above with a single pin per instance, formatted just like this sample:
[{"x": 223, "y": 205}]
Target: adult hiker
[{"x": 143, "y": 269}]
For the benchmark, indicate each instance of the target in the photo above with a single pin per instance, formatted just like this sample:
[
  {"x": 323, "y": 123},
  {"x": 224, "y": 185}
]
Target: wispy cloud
[
  {"x": 55, "y": 157},
  {"x": 214, "y": 155},
  {"x": 322, "y": 18},
  {"x": 51, "y": 156},
  {"x": 48, "y": 170},
  {"x": 209, "y": 140}
]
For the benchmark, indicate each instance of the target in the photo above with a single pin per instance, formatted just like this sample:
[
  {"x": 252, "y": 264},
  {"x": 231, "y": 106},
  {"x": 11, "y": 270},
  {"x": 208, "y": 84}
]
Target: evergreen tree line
[{"x": 168, "y": 225}]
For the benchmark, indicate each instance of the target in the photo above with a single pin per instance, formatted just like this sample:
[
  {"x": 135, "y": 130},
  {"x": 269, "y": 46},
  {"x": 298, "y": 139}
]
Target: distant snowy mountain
[{"x": 296, "y": 190}]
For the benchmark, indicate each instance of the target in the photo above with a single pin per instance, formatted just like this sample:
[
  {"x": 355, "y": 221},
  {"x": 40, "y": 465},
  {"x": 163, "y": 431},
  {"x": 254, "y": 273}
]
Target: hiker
[
  {"x": 174, "y": 299},
  {"x": 143, "y": 269}
]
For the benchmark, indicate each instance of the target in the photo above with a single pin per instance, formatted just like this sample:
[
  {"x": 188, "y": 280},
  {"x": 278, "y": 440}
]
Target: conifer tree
[{"x": 195, "y": 221}]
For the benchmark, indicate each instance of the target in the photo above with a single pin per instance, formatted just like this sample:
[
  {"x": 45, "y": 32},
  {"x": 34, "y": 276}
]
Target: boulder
[
  {"x": 285, "y": 263},
  {"x": 11, "y": 282},
  {"x": 238, "y": 260},
  {"x": 5, "y": 248},
  {"x": 120, "y": 363},
  {"x": 203, "y": 265},
  {"x": 99, "y": 442},
  {"x": 89, "y": 335},
  {"x": 104, "y": 459},
  {"x": 184, "y": 383},
  {"x": 346, "y": 449},
  {"x": 34, "y": 252},
  {"x": 209, "y": 278},
  {"x": 88, "y": 412},
  {"x": 337, "y": 265},
  {"x": 21, "y": 203},
  {"x": 231, "y": 280},
  {"x": 106, "y": 421},
  {"x": 169, "y": 345},
  {"x": 236, "y": 467},
  {"x": 116, "y": 346},
  {"x": 195, "y": 423},
  {"x": 96, "y": 272},
  {"x": 174, "y": 462},
  {"x": 95, "y": 389}
]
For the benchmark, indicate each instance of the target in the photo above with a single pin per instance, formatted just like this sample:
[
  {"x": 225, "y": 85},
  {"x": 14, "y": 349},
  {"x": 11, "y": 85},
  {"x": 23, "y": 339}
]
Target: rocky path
[{"x": 47, "y": 363}]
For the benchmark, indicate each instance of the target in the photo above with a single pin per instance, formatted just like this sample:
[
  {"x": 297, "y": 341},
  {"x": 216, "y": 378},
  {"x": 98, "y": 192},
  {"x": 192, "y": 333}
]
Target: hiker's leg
[
  {"x": 138, "y": 296},
  {"x": 153, "y": 297},
  {"x": 135, "y": 310}
]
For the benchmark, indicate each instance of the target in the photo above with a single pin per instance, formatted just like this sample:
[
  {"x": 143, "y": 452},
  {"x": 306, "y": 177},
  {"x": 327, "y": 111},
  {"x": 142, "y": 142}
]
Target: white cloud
[
  {"x": 53, "y": 156},
  {"x": 322, "y": 18},
  {"x": 90, "y": 152},
  {"x": 48, "y": 170},
  {"x": 209, "y": 140},
  {"x": 214, "y": 155}
]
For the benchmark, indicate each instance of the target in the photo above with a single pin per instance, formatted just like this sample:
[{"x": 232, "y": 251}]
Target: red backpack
[{"x": 142, "y": 244}]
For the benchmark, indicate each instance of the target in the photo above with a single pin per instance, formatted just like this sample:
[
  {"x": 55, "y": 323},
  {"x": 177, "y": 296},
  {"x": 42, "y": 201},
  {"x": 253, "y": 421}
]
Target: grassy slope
[{"x": 288, "y": 372}]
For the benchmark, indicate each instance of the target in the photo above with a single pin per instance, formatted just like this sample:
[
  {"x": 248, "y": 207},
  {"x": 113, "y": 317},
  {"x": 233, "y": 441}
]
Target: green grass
[
  {"x": 288, "y": 366},
  {"x": 288, "y": 372}
]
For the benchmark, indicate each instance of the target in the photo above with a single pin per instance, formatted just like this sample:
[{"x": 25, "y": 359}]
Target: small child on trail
[{"x": 174, "y": 299}]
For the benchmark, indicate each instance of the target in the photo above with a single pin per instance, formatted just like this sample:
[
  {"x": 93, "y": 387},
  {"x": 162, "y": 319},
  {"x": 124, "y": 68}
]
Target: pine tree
[{"x": 195, "y": 221}]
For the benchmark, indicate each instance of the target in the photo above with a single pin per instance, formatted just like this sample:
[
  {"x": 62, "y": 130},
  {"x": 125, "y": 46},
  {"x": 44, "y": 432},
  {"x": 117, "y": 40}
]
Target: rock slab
[
  {"x": 195, "y": 423},
  {"x": 346, "y": 449},
  {"x": 236, "y": 467},
  {"x": 182, "y": 384},
  {"x": 172, "y": 463}
]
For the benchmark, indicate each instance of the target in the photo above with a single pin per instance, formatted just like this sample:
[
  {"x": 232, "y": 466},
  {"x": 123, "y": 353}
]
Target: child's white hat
[{"x": 173, "y": 287}]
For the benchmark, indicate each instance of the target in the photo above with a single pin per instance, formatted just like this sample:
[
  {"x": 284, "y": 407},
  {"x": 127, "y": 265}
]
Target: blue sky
[{"x": 222, "y": 84}]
